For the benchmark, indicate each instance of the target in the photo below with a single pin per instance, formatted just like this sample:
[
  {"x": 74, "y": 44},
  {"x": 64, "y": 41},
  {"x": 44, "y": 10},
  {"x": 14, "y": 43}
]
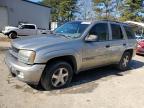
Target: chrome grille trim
[{"x": 14, "y": 51}]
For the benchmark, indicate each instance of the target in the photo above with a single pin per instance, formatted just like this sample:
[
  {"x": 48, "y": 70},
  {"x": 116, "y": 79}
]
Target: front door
[{"x": 97, "y": 53}]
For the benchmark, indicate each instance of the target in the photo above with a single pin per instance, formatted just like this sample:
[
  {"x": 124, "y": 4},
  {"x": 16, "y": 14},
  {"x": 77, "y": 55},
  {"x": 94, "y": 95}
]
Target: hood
[
  {"x": 10, "y": 28},
  {"x": 38, "y": 42}
]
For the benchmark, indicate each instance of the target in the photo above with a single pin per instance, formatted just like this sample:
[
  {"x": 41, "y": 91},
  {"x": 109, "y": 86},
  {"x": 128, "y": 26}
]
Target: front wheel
[
  {"x": 124, "y": 62},
  {"x": 12, "y": 35},
  {"x": 57, "y": 75}
]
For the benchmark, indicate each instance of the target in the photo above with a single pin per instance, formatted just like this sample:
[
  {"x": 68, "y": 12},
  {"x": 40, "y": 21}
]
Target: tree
[
  {"x": 54, "y": 10},
  {"x": 67, "y": 8},
  {"x": 62, "y": 10},
  {"x": 104, "y": 10},
  {"x": 107, "y": 9},
  {"x": 54, "y": 4},
  {"x": 131, "y": 8},
  {"x": 85, "y": 10},
  {"x": 119, "y": 10}
]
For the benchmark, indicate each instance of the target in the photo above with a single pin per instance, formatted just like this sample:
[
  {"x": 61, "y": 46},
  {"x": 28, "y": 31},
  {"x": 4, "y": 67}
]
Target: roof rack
[
  {"x": 115, "y": 21},
  {"x": 112, "y": 21}
]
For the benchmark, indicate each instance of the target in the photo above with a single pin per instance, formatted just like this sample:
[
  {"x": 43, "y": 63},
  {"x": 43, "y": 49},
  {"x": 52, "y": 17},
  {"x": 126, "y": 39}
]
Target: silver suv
[{"x": 51, "y": 60}]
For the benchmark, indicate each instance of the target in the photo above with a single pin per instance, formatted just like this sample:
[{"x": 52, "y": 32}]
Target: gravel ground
[
  {"x": 1, "y": 35},
  {"x": 4, "y": 38},
  {"x": 98, "y": 88}
]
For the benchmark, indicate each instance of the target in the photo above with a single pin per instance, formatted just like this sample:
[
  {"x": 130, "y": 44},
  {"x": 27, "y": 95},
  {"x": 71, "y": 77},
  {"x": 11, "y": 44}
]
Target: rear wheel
[
  {"x": 12, "y": 35},
  {"x": 57, "y": 75},
  {"x": 124, "y": 62}
]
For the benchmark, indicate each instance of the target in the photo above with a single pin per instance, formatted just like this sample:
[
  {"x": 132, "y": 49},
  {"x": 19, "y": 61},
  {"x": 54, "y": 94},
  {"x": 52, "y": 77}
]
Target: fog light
[{"x": 21, "y": 75}]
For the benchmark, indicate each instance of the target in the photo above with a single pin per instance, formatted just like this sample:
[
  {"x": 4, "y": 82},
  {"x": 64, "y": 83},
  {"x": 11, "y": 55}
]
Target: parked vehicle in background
[
  {"x": 23, "y": 30},
  {"x": 139, "y": 38},
  {"x": 138, "y": 28},
  {"x": 51, "y": 60},
  {"x": 140, "y": 47}
]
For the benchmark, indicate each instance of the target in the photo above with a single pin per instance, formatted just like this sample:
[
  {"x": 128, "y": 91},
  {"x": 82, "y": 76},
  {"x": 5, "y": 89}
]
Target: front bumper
[
  {"x": 27, "y": 73},
  {"x": 5, "y": 32}
]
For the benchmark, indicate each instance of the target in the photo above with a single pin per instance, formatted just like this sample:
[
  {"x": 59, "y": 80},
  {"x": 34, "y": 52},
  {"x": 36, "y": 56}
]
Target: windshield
[{"x": 72, "y": 29}]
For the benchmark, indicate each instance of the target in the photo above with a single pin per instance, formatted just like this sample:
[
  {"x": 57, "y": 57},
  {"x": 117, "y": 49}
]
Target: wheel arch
[
  {"x": 12, "y": 32},
  {"x": 67, "y": 58},
  {"x": 131, "y": 51}
]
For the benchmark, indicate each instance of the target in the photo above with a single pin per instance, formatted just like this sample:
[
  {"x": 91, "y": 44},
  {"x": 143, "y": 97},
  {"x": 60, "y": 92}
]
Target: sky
[{"x": 88, "y": 10}]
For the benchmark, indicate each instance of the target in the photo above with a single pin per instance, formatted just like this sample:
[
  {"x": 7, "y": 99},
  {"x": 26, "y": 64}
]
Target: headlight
[
  {"x": 7, "y": 29},
  {"x": 26, "y": 56}
]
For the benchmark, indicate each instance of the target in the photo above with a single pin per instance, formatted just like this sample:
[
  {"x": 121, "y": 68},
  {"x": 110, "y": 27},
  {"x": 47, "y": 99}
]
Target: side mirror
[{"x": 91, "y": 38}]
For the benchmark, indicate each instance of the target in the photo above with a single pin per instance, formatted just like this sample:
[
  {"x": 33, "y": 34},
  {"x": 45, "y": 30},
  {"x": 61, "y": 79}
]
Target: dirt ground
[
  {"x": 98, "y": 88},
  {"x": 4, "y": 38}
]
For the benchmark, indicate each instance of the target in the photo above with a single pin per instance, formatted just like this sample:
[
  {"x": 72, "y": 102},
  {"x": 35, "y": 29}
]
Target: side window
[
  {"x": 28, "y": 27},
  {"x": 116, "y": 32},
  {"x": 129, "y": 32},
  {"x": 31, "y": 27},
  {"x": 101, "y": 30},
  {"x": 24, "y": 27}
]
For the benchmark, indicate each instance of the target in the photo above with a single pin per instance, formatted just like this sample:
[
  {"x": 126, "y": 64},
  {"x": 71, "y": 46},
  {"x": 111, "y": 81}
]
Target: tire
[
  {"x": 124, "y": 62},
  {"x": 12, "y": 35},
  {"x": 56, "y": 75}
]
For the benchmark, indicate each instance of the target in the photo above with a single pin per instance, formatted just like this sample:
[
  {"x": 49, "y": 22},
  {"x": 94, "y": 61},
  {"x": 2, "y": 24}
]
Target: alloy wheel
[
  {"x": 125, "y": 61},
  {"x": 59, "y": 77}
]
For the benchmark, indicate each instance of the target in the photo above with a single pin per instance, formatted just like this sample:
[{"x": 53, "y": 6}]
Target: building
[{"x": 14, "y": 12}]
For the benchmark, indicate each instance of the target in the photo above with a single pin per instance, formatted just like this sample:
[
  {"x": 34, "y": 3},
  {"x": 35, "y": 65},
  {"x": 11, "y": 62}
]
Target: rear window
[
  {"x": 116, "y": 32},
  {"x": 129, "y": 32}
]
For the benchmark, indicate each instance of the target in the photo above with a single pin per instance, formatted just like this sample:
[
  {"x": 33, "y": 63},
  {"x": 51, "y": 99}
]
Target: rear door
[{"x": 118, "y": 42}]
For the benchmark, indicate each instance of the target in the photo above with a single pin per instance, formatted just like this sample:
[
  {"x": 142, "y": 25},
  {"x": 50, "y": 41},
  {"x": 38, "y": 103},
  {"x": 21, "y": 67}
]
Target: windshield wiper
[{"x": 68, "y": 37}]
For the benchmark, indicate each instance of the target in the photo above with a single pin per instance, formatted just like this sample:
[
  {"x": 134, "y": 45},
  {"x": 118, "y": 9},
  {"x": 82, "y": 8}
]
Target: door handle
[{"x": 107, "y": 46}]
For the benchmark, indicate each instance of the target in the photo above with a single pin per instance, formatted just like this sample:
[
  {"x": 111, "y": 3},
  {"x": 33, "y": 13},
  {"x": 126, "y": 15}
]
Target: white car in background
[
  {"x": 139, "y": 38},
  {"x": 23, "y": 30}
]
